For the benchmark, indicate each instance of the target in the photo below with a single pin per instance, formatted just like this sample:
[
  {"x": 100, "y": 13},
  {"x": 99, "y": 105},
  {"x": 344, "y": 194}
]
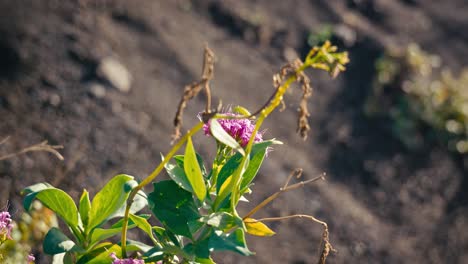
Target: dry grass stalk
[
  {"x": 43, "y": 146},
  {"x": 326, "y": 246},
  {"x": 194, "y": 89}
]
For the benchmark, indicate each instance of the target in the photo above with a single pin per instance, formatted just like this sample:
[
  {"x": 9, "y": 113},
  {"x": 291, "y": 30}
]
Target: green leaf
[
  {"x": 101, "y": 255},
  {"x": 199, "y": 249},
  {"x": 194, "y": 226},
  {"x": 202, "y": 164},
  {"x": 222, "y": 220},
  {"x": 204, "y": 261},
  {"x": 133, "y": 245},
  {"x": 234, "y": 241},
  {"x": 139, "y": 202},
  {"x": 143, "y": 224},
  {"x": 153, "y": 255},
  {"x": 256, "y": 159},
  {"x": 55, "y": 242},
  {"x": 175, "y": 239},
  {"x": 99, "y": 234},
  {"x": 193, "y": 171},
  {"x": 180, "y": 162},
  {"x": 177, "y": 174},
  {"x": 224, "y": 195},
  {"x": 85, "y": 205},
  {"x": 173, "y": 206},
  {"x": 54, "y": 199},
  {"x": 63, "y": 258},
  {"x": 111, "y": 197},
  {"x": 160, "y": 233},
  {"x": 222, "y": 136},
  {"x": 167, "y": 238},
  {"x": 36, "y": 188},
  {"x": 257, "y": 228},
  {"x": 227, "y": 170}
]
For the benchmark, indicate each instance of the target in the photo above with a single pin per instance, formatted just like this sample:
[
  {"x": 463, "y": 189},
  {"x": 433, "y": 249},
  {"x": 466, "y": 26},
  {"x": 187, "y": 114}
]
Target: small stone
[
  {"x": 111, "y": 70},
  {"x": 54, "y": 99},
  {"x": 97, "y": 90}
]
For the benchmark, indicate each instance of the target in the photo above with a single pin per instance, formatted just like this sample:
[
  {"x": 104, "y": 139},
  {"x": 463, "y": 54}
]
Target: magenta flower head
[
  {"x": 239, "y": 129},
  {"x": 125, "y": 261},
  {"x": 31, "y": 259},
  {"x": 5, "y": 226}
]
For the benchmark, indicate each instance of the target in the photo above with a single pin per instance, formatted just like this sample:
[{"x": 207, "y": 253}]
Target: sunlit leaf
[
  {"x": 109, "y": 199},
  {"x": 55, "y": 199},
  {"x": 257, "y": 228},
  {"x": 193, "y": 171},
  {"x": 257, "y": 156},
  {"x": 222, "y": 220},
  {"x": 180, "y": 162},
  {"x": 139, "y": 202},
  {"x": 222, "y": 136},
  {"x": 99, "y": 234},
  {"x": 85, "y": 205},
  {"x": 36, "y": 188},
  {"x": 227, "y": 170},
  {"x": 227, "y": 187},
  {"x": 177, "y": 174},
  {"x": 143, "y": 224},
  {"x": 133, "y": 245},
  {"x": 256, "y": 159}
]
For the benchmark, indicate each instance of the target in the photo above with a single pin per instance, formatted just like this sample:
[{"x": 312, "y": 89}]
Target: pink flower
[
  {"x": 239, "y": 129},
  {"x": 31, "y": 259},
  {"x": 5, "y": 226},
  {"x": 125, "y": 261}
]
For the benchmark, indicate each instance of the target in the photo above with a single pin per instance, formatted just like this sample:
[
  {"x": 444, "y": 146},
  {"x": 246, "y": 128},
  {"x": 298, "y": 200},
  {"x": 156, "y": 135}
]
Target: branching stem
[{"x": 286, "y": 188}]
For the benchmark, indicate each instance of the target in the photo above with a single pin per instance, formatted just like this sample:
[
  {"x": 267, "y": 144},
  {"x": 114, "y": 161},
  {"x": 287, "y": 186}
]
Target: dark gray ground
[{"x": 383, "y": 203}]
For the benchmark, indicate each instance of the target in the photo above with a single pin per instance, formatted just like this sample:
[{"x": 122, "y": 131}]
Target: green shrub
[{"x": 424, "y": 100}]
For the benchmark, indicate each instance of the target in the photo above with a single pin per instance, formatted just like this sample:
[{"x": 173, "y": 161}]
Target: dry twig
[
  {"x": 193, "y": 90},
  {"x": 326, "y": 246},
  {"x": 43, "y": 146},
  {"x": 3, "y": 141},
  {"x": 291, "y": 69}
]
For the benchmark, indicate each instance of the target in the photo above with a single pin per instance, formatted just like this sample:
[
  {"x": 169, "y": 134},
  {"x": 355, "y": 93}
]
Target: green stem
[
  {"x": 233, "y": 186},
  {"x": 218, "y": 164},
  {"x": 79, "y": 235},
  {"x": 149, "y": 179},
  {"x": 275, "y": 102}
]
